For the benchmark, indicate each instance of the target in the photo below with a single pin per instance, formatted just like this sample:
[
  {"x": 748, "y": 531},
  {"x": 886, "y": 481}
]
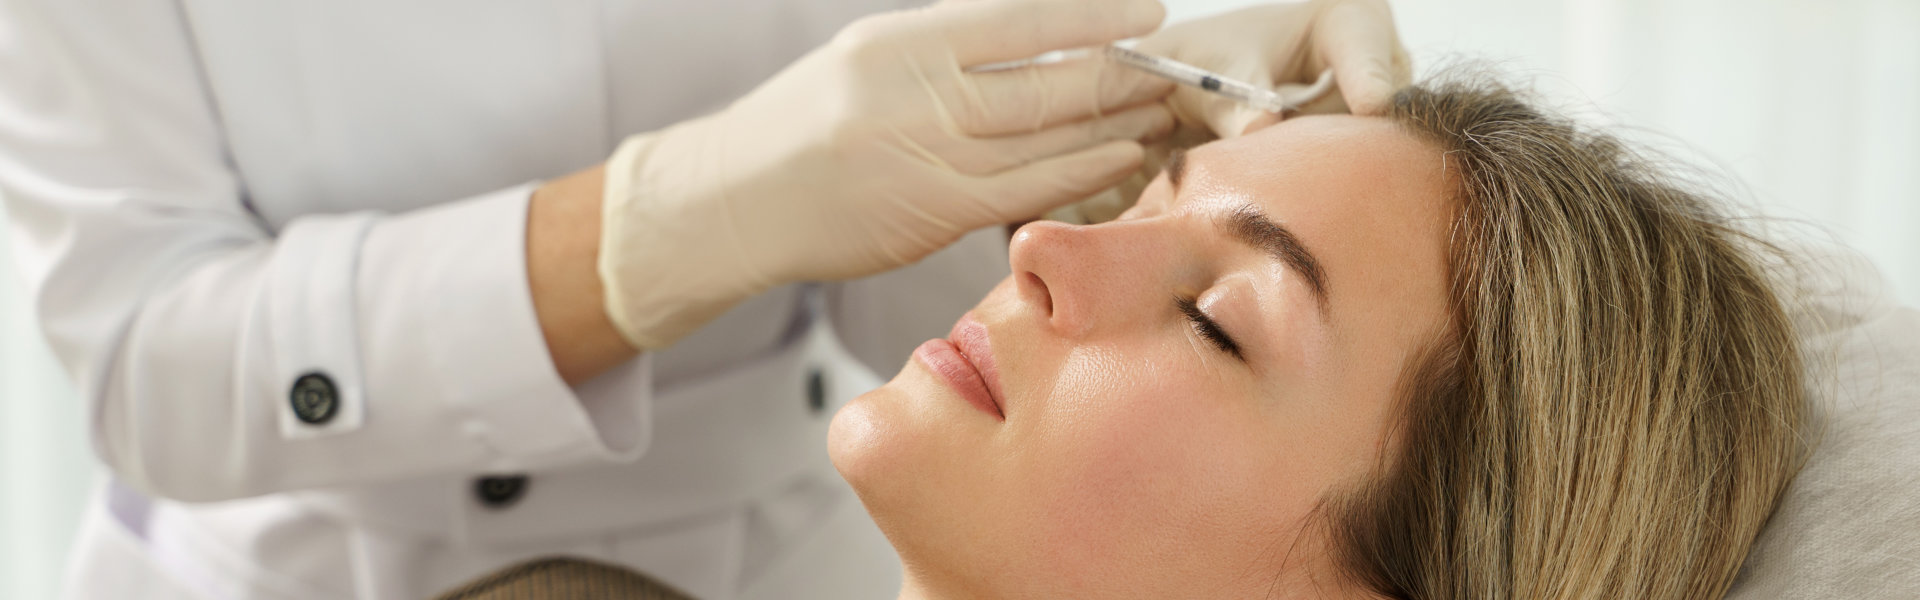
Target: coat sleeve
[{"x": 221, "y": 359}]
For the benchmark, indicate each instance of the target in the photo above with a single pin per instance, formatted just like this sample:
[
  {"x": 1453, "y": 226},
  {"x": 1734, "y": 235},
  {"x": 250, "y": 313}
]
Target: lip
[{"x": 965, "y": 362}]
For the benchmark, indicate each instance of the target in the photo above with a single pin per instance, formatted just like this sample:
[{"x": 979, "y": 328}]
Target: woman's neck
[
  {"x": 918, "y": 584},
  {"x": 910, "y": 591},
  {"x": 1293, "y": 584},
  {"x": 916, "y": 587}
]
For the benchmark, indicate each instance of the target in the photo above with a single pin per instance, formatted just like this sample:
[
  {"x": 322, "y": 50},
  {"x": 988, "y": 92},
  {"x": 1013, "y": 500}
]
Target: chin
[
  {"x": 877, "y": 456},
  {"x": 909, "y": 449},
  {"x": 857, "y": 438},
  {"x": 876, "y": 446},
  {"x": 906, "y": 437}
]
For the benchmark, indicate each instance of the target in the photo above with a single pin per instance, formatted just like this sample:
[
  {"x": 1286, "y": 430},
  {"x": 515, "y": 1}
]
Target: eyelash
[{"x": 1207, "y": 328}]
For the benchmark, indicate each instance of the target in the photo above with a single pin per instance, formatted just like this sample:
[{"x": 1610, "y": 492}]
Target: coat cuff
[
  {"x": 316, "y": 354},
  {"x": 484, "y": 349}
]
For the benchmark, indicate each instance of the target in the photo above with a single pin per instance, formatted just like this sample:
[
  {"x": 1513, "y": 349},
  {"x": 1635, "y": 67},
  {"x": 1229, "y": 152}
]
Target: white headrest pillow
[{"x": 1849, "y": 527}]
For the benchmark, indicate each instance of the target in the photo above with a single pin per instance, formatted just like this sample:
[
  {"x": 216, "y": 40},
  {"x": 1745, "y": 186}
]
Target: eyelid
[{"x": 1208, "y": 328}]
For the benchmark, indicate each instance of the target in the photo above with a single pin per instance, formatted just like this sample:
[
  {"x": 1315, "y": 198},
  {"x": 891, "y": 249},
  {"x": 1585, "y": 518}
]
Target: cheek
[
  {"x": 1145, "y": 454},
  {"x": 1119, "y": 417}
]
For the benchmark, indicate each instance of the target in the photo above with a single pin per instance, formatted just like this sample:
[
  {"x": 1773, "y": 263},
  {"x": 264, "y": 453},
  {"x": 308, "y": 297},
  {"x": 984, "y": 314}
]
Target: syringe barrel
[{"x": 1197, "y": 77}]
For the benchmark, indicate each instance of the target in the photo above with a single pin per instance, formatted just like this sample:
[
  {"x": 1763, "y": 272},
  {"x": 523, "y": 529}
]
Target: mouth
[{"x": 965, "y": 362}]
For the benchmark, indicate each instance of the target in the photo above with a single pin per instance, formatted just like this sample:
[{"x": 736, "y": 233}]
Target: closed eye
[{"x": 1207, "y": 328}]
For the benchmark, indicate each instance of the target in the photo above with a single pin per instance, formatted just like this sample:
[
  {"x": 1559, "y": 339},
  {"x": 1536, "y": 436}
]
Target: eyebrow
[{"x": 1252, "y": 227}]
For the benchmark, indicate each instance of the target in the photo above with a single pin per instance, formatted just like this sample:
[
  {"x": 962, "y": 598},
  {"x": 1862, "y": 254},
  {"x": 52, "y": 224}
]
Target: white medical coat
[{"x": 213, "y": 198}]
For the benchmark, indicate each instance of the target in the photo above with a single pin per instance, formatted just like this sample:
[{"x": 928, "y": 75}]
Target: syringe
[{"x": 1243, "y": 92}]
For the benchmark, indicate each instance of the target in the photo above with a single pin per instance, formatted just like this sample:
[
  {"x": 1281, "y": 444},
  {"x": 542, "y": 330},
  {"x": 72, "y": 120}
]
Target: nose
[{"x": 1080, "y": 276}]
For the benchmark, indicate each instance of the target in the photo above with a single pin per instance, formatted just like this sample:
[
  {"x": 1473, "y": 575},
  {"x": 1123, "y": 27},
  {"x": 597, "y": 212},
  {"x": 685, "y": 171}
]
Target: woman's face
[{"x": 1168, "y": 396}]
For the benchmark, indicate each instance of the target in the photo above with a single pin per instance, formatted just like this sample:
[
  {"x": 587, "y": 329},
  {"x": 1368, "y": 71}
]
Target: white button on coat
[{"x": 213, "y": 198}]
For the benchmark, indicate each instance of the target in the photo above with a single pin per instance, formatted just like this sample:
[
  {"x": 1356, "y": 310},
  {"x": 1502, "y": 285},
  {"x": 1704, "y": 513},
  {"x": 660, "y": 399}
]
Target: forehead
[
  {"x": 1367, "y": 198},
  {"x": 1317, "y": 163}
]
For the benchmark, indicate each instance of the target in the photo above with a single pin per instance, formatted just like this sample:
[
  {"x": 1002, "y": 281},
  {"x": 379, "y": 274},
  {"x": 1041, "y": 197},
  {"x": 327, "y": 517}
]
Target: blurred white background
[{"x": 1813, "y": 105}]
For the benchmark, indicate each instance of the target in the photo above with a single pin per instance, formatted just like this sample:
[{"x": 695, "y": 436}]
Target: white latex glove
[
  {"x": 1287, "y": 46},
  {"x": 870, "y": 153}
]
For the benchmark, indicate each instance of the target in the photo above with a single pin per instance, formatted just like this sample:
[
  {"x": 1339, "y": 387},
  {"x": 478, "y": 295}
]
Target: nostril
[{"x": 1045, "y": 297}]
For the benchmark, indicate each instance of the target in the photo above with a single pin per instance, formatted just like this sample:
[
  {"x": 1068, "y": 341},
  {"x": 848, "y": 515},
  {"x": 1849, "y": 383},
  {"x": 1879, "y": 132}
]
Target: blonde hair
[{"x": 1618, "y": 404}]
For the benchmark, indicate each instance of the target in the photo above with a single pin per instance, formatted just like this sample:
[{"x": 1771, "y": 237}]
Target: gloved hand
[
  {"x": 1284, "y": 44},
  {"x": 870, "y": 153},
  {"x": 1288, "y": 45}
]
